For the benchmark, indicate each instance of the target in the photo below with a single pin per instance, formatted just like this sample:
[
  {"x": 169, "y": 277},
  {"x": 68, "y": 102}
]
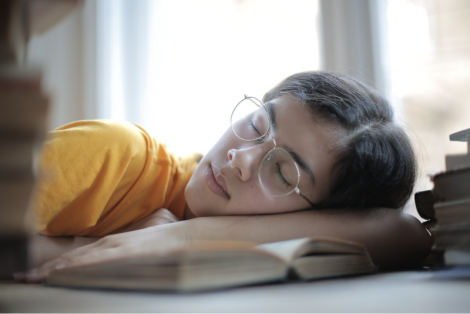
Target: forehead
[
  {"x": 293, "y": 118},
  {"x": 313, "y": 139}
]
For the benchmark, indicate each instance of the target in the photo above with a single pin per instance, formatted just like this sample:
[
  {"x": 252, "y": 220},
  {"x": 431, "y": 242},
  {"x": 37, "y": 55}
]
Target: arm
[
  {"x": 45, "y": 248},
  {"x": 393, "y": 239}
]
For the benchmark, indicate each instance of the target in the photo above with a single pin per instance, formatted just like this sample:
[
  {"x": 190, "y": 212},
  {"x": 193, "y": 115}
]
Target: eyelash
[
  {"x": 279, "y": 174},
  {"x": 252, "y": 125},
  {"x": 262, "y": 140}
]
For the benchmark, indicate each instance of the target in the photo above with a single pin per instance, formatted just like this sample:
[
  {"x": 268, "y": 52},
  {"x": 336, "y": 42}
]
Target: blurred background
[{"x": 178, "y": 67}]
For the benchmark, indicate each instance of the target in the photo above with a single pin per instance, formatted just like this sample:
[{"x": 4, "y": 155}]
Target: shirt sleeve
[{"x": 99, "y": 176}]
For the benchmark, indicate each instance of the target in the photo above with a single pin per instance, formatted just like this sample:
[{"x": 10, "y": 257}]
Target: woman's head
[
  {"x": 375, "y": 164},
  {"x": 341, "y": 132}
]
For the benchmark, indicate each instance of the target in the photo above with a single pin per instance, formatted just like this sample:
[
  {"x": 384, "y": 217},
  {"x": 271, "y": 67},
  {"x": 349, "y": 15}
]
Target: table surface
[{"x": 405, "y": 291}]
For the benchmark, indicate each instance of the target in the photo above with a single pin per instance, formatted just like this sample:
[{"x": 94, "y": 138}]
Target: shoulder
[
  {"x": 99, "y": 139},
  {"x": 101, "y": 128},
  {"x": 101, "y": 133}
]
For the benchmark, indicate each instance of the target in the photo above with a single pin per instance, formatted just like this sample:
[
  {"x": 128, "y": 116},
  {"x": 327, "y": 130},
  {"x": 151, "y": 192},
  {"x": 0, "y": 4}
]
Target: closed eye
[
  {"x": 253, "y": 126},
  {"x": 281, "y": 177}
]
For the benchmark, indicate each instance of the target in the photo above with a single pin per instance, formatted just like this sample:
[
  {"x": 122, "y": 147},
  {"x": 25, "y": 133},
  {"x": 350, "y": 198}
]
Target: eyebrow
[
  {"x": 305, "y": 167},
  {"x": 301, "y": 162},
  {"x": 272, "y": 115}
]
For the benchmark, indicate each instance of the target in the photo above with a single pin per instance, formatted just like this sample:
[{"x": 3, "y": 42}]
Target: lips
[{"x": 215, "y": 182}]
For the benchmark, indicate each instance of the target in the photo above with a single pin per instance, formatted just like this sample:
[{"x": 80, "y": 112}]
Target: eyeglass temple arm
[{"x": 297, "y": 190}]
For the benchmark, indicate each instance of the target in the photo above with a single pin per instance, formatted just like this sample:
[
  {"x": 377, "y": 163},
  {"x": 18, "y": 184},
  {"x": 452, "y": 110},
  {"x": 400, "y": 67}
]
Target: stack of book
[
  {"x": 452, "y": 206},
  {"x": 23, "y": 120}
]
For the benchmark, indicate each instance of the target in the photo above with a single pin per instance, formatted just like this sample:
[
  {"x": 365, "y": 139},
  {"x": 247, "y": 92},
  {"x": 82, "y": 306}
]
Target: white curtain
[
  {"x": 178, "y": 67},
  {"x": 123, "y": 37}
]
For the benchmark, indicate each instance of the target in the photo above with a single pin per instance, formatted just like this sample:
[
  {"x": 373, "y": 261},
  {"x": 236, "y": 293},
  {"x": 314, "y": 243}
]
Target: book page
[
  {"x": 286, "y": 250},
  {"x": 291, "y": 249}
]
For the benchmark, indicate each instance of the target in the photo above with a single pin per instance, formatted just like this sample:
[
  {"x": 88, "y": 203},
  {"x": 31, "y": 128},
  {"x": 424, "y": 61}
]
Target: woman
[{"x": 321, "y": 157}]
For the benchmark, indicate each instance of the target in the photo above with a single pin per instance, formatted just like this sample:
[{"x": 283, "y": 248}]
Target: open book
[{"x": 213, "y": 265}]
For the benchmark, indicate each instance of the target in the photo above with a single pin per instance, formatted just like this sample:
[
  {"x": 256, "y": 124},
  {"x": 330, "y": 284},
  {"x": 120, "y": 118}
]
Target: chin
[
  {"x": 201, "y": 202},
  {"x": 196, "y": 199},
  {"x": 190, "y": 194}
]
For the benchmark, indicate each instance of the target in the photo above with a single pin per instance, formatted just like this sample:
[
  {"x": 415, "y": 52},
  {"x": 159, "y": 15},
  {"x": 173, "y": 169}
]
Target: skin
[
  {"x": 238, "y": 163},
  {"x": 393, "y": 239}
]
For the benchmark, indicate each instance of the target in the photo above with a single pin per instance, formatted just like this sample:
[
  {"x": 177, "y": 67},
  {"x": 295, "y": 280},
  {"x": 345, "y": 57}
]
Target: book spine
[
  {"x": 23, "y": 117},
  {"x": 13, "y": 30},
  {"x": 424, "y": 201},
  {"x": 14, "y": 252}
]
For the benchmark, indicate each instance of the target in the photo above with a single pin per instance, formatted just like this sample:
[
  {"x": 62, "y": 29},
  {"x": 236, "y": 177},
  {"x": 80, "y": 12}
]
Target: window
[
  {"x": 430, "y": 54},
  {"x": 178, "y": 68}
]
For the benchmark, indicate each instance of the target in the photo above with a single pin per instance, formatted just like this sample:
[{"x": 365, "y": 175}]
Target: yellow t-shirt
[{"x": 100, "y": 176}]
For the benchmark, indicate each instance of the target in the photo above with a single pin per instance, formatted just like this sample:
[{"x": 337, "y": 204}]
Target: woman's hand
[
  {"x": 151, "y": 240},
  {"x": 44, "y": 248}
]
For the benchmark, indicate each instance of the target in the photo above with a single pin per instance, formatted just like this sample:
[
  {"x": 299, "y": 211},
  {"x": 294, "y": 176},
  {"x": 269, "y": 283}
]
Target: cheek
[{"x": 255, "y": 201}]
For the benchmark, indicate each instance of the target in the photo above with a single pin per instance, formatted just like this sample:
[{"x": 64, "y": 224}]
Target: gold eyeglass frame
[{"x": 268, "y": 154}]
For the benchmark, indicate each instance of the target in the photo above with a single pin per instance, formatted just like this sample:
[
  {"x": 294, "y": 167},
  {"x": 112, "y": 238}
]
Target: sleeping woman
[{"x": 320, "y": 156}]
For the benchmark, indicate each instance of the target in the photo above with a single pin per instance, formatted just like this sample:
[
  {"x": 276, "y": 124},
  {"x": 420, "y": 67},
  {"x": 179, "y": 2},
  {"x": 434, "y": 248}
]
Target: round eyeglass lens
[
  {"x": 278, "y": 173},
  {"x": 250, "y": 120}
]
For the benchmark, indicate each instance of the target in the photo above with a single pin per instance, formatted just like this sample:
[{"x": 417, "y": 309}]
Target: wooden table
[{"x": 409, "y": 291}]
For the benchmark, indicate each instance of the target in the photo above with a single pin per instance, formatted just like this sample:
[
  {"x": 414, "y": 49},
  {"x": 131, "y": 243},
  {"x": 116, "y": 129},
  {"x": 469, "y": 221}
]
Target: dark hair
[{"x": 376, "y": 164}]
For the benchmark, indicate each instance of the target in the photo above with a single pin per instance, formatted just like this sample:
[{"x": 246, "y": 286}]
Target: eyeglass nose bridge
[
  {"x": 269, "y": 153},
  {"x": 274, "y": 141}
]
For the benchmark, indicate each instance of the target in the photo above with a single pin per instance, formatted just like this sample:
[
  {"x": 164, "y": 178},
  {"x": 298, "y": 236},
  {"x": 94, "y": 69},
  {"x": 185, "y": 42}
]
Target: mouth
[{"x": 215, "y": 182}]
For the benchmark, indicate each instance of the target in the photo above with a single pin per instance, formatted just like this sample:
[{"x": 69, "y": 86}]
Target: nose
[{"x": 247, "y": 160}]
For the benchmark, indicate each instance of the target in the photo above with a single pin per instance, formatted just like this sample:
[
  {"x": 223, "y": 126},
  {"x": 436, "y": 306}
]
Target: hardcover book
[{"x": 213, "y": 265}]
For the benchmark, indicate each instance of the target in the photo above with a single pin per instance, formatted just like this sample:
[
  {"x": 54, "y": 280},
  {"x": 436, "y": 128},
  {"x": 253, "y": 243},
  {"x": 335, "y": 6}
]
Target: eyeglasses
[{"x": 278, "y": 173}]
